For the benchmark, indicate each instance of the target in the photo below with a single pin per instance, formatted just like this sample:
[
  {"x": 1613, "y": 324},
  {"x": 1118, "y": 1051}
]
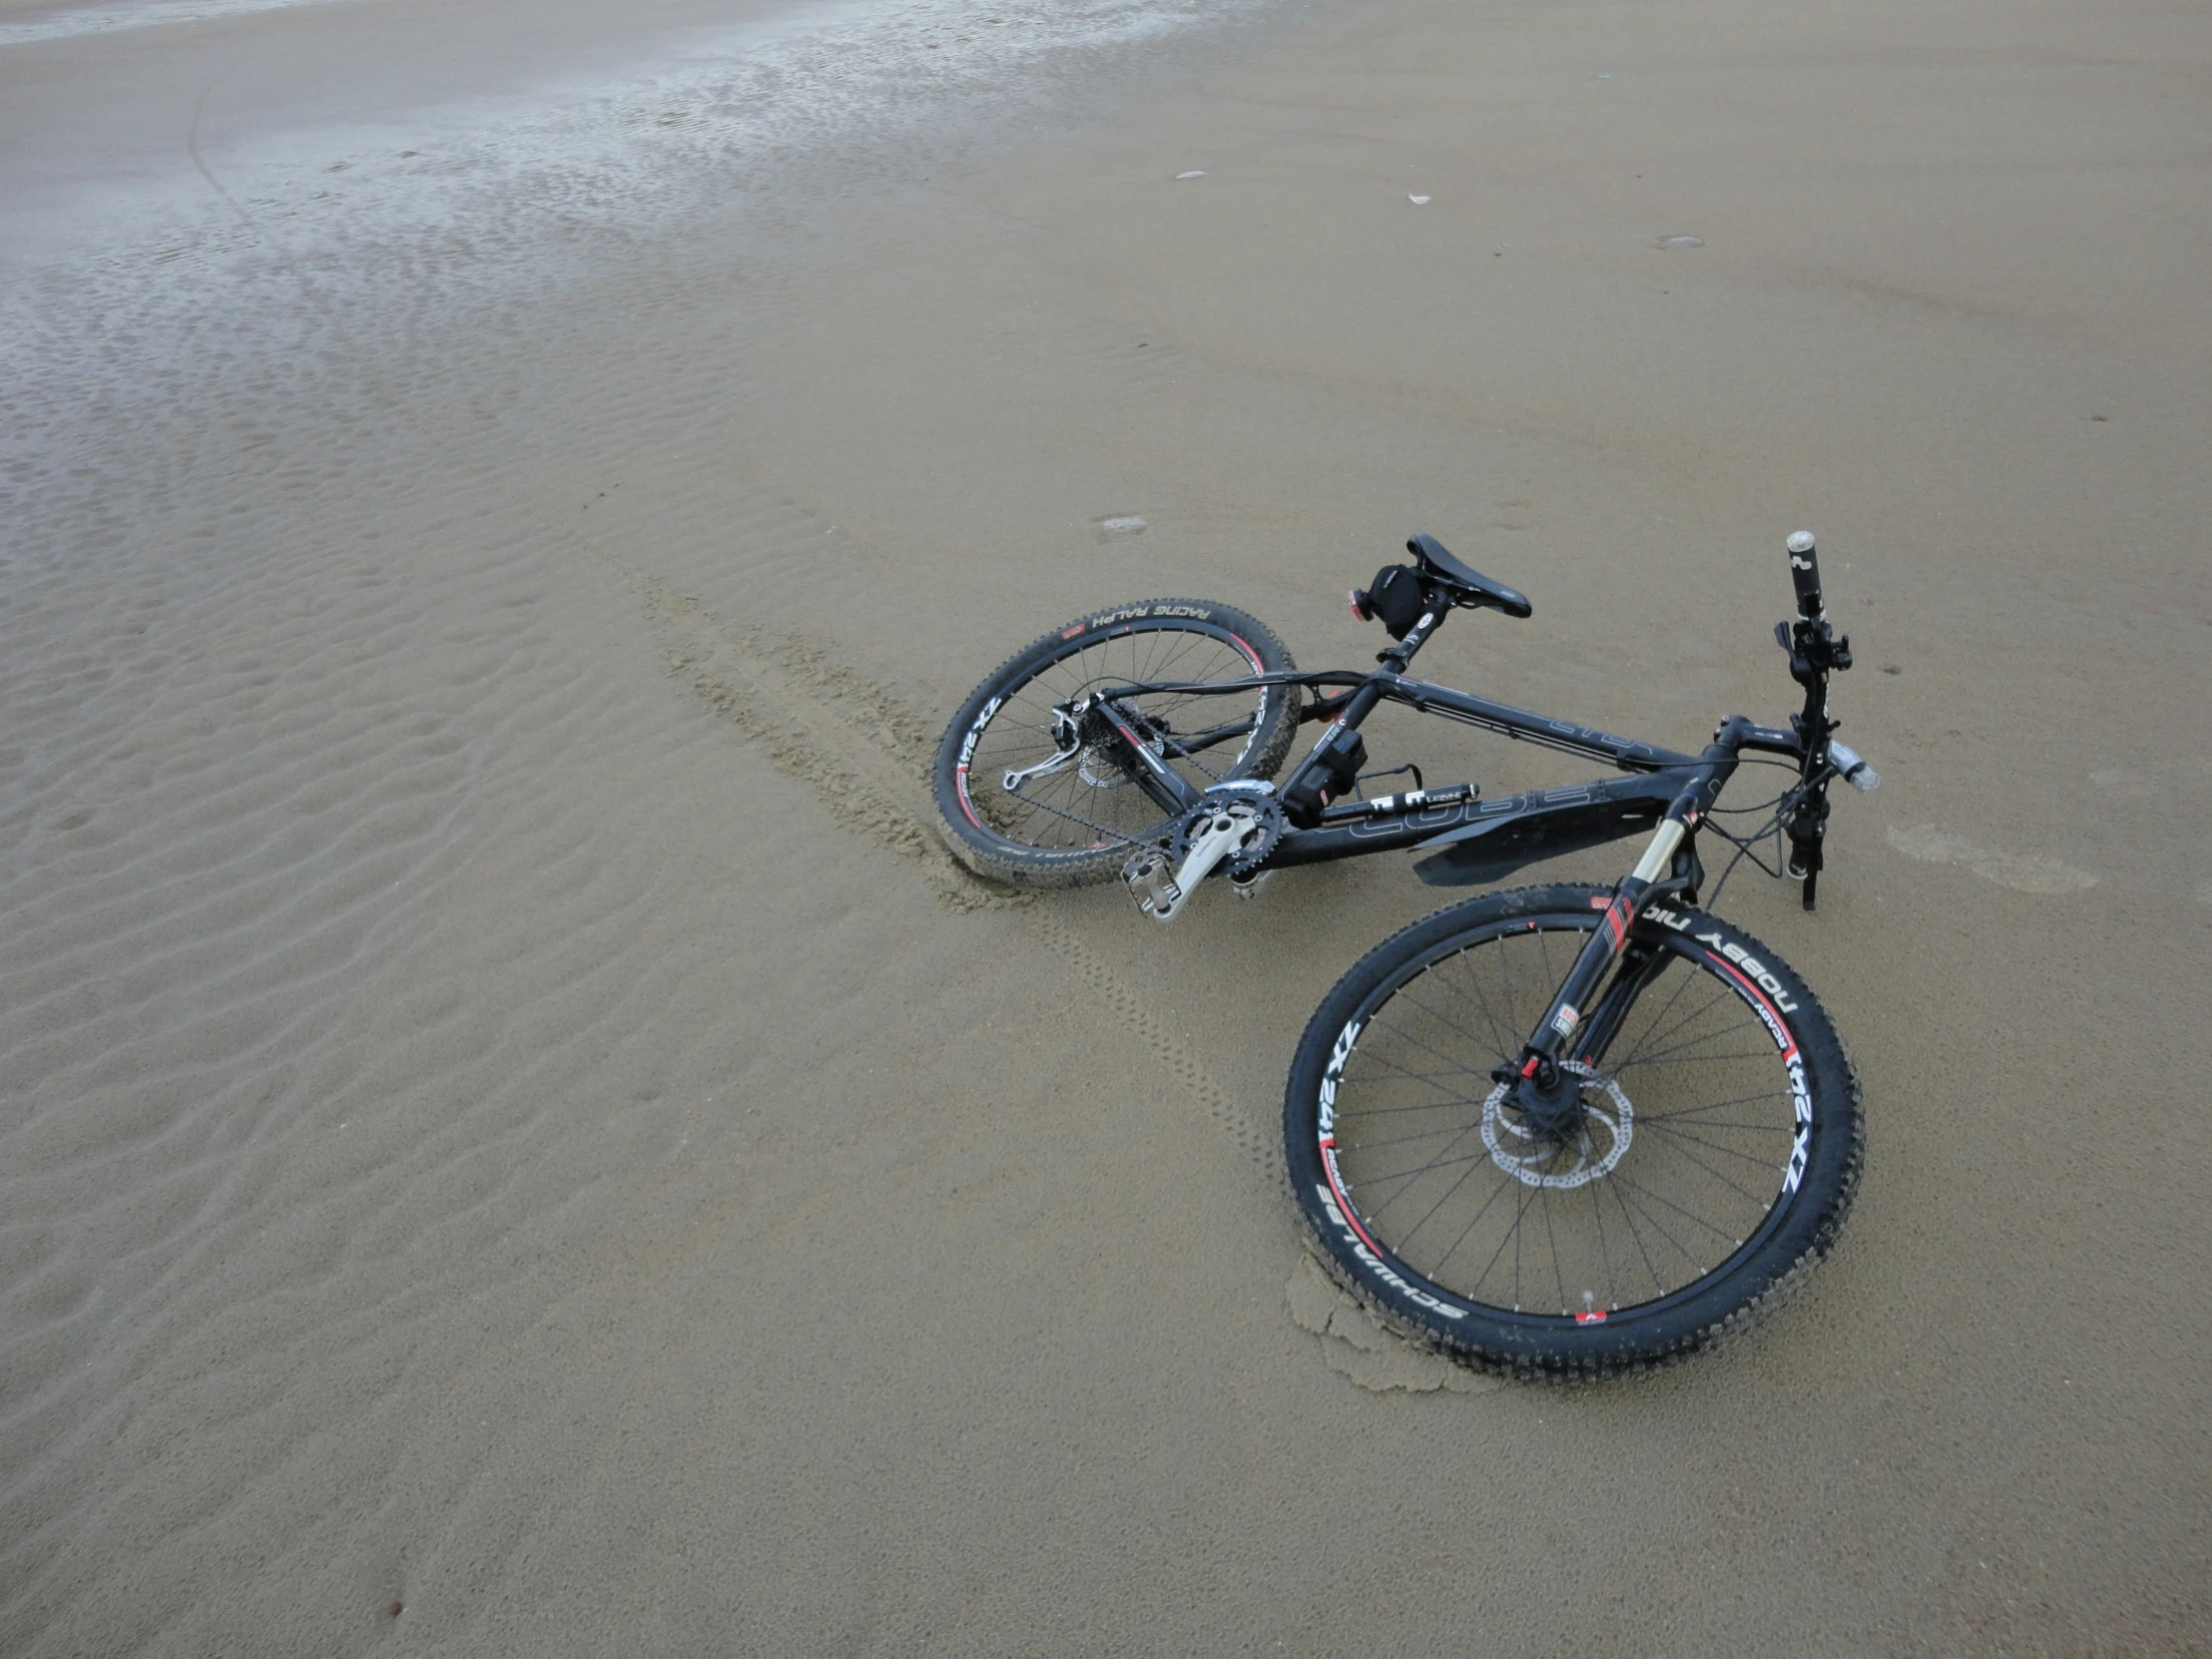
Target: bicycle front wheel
[
  {"x": 1718, "y": 1148},
  {"x": 1074, "y": 823}
]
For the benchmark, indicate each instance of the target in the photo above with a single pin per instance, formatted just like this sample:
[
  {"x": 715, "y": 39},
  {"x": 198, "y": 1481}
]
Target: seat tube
[{"x": 1339, "y": 750}]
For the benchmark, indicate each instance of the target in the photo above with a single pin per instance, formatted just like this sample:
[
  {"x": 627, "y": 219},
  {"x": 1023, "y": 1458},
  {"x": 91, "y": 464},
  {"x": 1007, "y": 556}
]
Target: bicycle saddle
[{"x": 1468, "y": 586}]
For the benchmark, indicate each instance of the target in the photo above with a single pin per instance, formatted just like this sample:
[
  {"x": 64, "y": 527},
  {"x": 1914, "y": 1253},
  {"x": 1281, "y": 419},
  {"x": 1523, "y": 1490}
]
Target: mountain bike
[{"x": 1556, "y": 1130}]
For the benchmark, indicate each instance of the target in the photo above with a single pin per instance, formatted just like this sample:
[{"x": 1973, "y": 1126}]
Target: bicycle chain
[{"x": 1111, "y": 837}]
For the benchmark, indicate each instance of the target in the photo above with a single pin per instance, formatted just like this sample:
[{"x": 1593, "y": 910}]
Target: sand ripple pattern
[
  {"x": 347, "y": 1025},
  {"x": 263, "y": 786}
]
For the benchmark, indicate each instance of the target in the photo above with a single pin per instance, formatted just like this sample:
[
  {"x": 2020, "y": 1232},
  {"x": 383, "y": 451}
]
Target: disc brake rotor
[{"x": 1608, "y": 1125}]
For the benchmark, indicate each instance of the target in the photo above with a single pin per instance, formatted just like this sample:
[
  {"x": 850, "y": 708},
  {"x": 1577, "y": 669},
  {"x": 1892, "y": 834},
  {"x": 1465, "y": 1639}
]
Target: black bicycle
[{"x": 1562, "y": 1129}]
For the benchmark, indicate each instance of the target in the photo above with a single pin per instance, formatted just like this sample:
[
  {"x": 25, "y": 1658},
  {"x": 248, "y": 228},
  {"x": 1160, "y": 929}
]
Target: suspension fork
[
  {"x": 1642, "y": 960},
  {"x": 1542, "y": 1090},
  {"x": 1640, "y": 966}
]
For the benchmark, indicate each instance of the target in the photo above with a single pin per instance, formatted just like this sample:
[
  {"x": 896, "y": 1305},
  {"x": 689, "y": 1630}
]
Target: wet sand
[{"x": 515, "y": 1138}]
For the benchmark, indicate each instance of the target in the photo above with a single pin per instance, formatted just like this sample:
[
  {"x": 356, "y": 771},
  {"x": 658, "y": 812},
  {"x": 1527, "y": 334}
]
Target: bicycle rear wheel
[
  {"x": 1076, "y": 825},
  {"x": 1718, "y": 1153}
]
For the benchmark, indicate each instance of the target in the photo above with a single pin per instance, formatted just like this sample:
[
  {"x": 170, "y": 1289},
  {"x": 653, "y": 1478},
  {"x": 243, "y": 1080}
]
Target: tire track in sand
[
  {"x": 1103, "y": 984},
  {"x": 867, "y": 754},
  {"x": 862, "y": 750}
]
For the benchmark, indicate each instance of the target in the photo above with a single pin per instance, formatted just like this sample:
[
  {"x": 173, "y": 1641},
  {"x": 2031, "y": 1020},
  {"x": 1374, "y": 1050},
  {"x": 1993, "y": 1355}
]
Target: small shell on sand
[
  {"x": 1682, "y": 241},
  {"x": 1127, "y": 524},
  {"x": 1180, "y": 176},
  {"x": 1419, "y": 200}
]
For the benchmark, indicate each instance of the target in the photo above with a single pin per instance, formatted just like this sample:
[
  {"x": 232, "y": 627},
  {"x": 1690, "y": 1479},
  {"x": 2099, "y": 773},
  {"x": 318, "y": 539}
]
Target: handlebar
[{"x": 1804, "y": 574}]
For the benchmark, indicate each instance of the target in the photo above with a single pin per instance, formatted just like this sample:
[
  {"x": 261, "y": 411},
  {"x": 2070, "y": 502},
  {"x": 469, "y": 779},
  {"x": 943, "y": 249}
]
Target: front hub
[
  {"x": 1563, "y": 1134},
  {"x": 1549, "y": 1103}
]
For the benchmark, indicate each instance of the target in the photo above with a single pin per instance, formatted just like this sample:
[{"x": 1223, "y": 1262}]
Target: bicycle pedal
[{"x": 1152, "y": 884}]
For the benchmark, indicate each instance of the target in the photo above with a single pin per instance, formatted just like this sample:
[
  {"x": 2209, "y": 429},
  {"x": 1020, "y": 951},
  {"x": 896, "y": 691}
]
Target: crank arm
[{"x": 1160, "y": 893}]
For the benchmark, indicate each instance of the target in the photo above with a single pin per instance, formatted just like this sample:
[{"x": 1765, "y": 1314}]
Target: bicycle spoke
[
  {"x": 1658, "y": 1285},
  {"x": 1399, "y": 1178},
  {"x": 1427, "y": 1215},
  {"x": 1429, "y": 1049},
  {"x": 1633, "y": 1186},
  {"x": 1637, "y": 1056},
  {"x": 1681, "y": 990},
  {"x": 1500, "y": 1050},
  {"x": 1604, "y": 1249},
  {"x": 1551, "y": 1238},
  {"x": 1714, "y": 1106}
]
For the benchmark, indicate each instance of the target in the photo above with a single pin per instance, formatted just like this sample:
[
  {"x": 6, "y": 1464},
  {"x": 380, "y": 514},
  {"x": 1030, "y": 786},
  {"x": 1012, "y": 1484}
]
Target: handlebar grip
[
  {"x": 1852, "y": 767},
  {"x": 1804, "y": 574}
]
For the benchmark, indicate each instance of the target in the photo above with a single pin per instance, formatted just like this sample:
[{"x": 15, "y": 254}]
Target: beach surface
[{"x": 516, "y": 1137}]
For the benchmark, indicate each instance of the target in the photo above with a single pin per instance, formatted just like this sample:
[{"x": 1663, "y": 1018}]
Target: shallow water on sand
[
  {"x": 47, "y": 22},
  {"x": 595, "y": 111}
]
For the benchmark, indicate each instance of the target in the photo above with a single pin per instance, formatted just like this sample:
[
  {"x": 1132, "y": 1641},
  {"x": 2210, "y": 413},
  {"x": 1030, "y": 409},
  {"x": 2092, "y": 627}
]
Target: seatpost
[
  {"x": 1399, "y": 652},
  {"x": 1332, "y": 769}
]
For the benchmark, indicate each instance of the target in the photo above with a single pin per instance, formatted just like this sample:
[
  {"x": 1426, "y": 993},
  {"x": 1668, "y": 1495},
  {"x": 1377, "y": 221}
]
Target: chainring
[{"x": 1242, "y": 800}]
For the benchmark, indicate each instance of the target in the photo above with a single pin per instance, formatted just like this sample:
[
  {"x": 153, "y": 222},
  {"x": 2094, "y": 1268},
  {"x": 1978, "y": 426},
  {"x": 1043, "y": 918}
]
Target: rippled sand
[{"x": 515, "y": 1138}]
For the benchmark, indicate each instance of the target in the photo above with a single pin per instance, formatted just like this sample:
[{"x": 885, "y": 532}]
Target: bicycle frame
[
  {"x": 1477, "y": 840},
  {"x": 1471, "y": 841}
]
